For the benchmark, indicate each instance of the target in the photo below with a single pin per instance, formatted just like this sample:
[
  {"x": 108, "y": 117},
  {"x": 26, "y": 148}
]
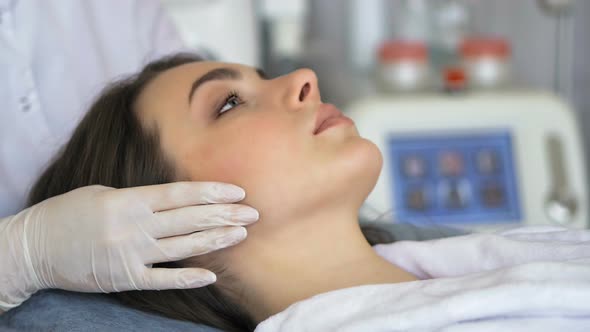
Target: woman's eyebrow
[{"x": 214, "y": 75}]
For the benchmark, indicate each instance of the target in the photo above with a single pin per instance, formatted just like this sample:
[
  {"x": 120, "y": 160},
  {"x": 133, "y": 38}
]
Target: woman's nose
[{"x": 302, "y": 88}]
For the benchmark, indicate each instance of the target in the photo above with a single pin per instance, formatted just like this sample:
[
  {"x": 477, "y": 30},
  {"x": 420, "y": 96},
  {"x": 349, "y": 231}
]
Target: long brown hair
[{"x": 111, "y": 148}]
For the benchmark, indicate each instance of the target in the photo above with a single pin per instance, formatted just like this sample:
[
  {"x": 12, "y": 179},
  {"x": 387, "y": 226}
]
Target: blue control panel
[{"x": 454, "y": 178}]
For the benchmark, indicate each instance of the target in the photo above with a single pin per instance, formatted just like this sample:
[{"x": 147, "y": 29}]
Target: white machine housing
[{"x": 532, "y": 119}]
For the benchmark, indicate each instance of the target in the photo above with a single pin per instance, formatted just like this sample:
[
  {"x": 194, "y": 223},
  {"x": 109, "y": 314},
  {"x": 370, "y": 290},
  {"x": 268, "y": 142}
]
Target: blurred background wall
[{"x": 551, "y": 50}]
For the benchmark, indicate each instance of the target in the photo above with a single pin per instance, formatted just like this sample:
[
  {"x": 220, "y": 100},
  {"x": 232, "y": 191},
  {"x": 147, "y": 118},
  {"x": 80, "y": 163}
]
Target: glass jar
[
  {"x": 486, "y": 61},
  {"x": 403, "y": 67}
]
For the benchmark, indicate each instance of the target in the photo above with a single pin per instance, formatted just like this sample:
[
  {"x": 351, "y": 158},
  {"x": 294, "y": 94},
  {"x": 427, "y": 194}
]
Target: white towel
[
  {"x": 456, "y": 256},
  {"x": 526, "y": 279}
]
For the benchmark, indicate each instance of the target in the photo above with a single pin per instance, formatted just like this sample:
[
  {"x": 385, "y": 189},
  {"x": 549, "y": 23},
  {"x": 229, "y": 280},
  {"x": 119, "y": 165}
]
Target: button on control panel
[{"x": 454, "y": 178}]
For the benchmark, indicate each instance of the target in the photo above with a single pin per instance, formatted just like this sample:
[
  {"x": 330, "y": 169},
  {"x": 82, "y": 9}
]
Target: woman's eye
[{"x": 231, "y": 102}]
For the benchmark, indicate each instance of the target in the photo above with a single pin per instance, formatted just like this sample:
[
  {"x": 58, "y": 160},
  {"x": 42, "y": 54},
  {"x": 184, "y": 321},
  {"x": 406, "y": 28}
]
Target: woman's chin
[
  {"x": 363, "y": 156},
  {"x": 358, "y": 166}
]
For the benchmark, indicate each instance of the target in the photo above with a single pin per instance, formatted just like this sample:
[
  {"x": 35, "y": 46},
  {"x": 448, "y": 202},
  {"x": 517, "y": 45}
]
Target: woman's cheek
[
  {"x": 245, "y": 151},
  {"x": 226, "y": 160}
]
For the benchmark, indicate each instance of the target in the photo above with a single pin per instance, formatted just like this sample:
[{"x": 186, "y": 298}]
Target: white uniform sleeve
[{"x": 156, "y": 32}]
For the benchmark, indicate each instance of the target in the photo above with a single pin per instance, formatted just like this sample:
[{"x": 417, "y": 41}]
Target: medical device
[{"x": 475, "y": 160}]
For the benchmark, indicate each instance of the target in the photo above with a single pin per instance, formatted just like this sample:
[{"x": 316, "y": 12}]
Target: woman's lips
[
  {"x": 331, "y": 122},
  {"x": 328, "y": 117}
]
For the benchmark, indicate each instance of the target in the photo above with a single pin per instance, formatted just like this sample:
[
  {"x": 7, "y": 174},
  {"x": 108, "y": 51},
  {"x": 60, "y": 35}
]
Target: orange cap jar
[
  {"x": 486, "y": 61},
  {"x": 403, "y": 66}
]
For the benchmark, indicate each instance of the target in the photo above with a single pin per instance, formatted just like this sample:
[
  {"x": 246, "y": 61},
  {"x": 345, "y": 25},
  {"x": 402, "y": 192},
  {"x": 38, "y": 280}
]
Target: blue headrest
[{"x": 57, "y": 310}]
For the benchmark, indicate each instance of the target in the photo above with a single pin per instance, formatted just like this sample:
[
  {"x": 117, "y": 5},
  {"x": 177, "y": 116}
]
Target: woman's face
[{"x": 225, "y": 122}]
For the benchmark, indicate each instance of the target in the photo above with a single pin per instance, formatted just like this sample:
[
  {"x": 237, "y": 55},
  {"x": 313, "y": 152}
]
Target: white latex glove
[{"x": 100, "y": 239}]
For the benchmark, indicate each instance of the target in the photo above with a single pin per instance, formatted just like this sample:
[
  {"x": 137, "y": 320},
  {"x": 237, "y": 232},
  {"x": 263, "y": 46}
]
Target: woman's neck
[{"x": 302, "y": 258}]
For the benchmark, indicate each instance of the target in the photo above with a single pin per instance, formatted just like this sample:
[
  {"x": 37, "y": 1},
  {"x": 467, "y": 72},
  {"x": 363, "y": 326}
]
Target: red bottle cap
[
  {"x": 396, "y": 50},
  {"x": 485, "y": 46},
  {"x": 455, "y": 78}
]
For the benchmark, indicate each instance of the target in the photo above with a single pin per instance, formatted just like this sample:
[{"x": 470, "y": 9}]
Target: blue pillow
[{"x": 57, "y": 310}]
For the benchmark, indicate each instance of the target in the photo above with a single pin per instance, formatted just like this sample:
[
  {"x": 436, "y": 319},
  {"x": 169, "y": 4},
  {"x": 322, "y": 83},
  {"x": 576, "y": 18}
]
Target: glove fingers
[
  {"x": 178, "y": 194},
  {"x": 197, "y": 218},
  {"x": 179, "y": 278},
  {"x": 180, "y": 247}
]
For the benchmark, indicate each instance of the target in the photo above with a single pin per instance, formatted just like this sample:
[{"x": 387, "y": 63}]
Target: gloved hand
[{"x": 100, "y": 239}]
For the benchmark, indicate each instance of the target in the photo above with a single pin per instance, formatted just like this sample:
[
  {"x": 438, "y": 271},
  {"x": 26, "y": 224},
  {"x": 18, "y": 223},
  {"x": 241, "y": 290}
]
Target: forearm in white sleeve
[{"x": 156, "y": 31}]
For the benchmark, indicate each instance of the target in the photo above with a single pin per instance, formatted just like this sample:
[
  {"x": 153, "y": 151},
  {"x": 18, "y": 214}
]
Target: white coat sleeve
[{"x": 157, "y": 34}]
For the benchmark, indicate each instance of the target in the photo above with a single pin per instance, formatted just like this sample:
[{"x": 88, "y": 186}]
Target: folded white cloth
[
  {"x": 526, "y": 279},
  {"x": 456, "y": 256}
]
